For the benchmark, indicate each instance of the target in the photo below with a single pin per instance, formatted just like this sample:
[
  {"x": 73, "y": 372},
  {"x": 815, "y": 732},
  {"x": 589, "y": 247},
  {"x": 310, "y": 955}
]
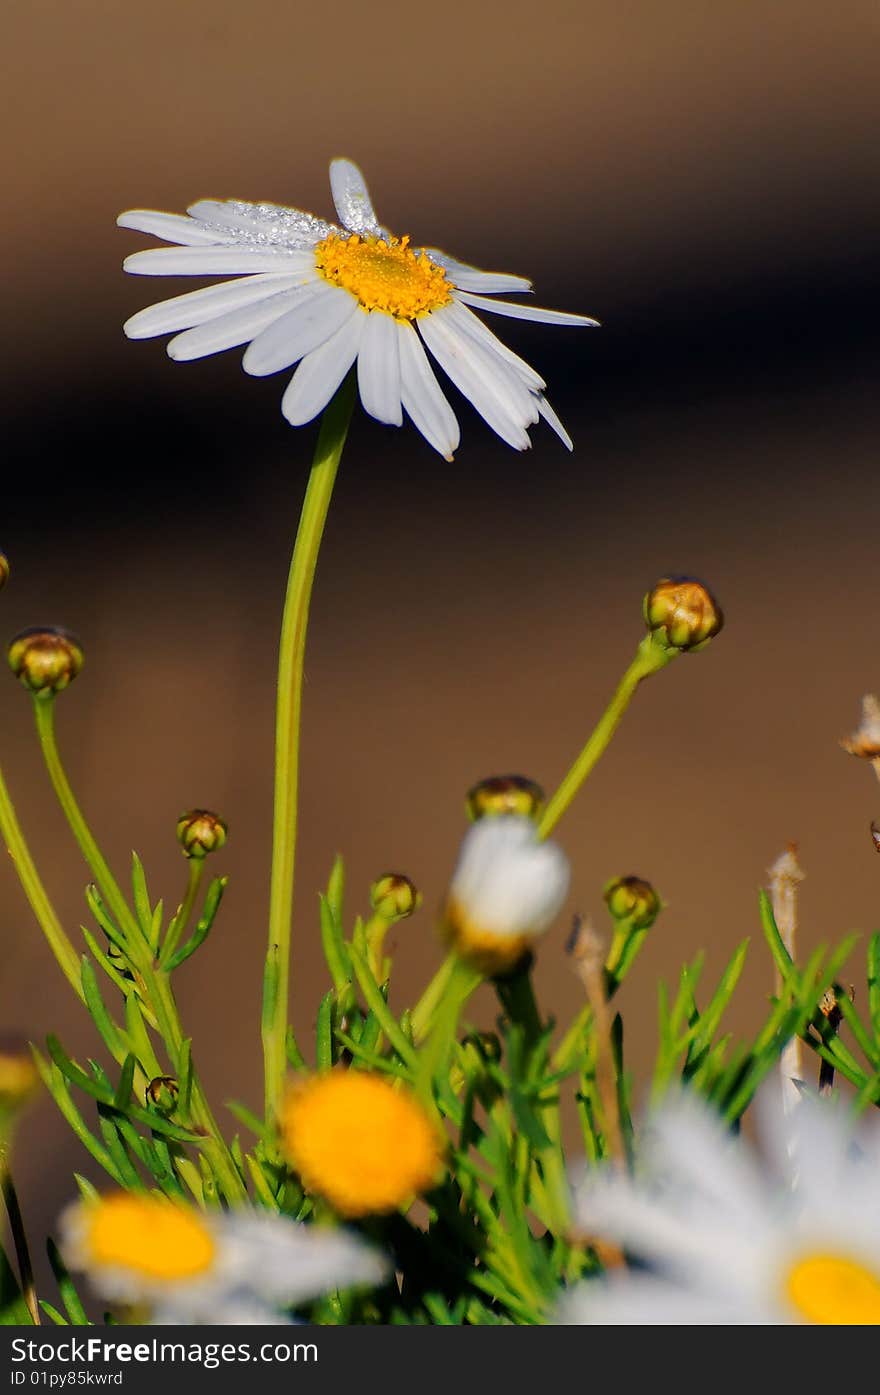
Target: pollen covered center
[
  {"x": 153, "y": 1238},
  {"x": 834, "y": 1290},
  {"x": 384, "y": 274},
  {"x": 365, "y": 1145}
]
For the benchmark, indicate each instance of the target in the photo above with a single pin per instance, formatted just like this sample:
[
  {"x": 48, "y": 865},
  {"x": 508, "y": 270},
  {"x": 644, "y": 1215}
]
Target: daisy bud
[
  {"x": 506, "y": 890},
  {"x": 486, "y": 1044},
  {"x": 200, "y": 832},
  {"x": 4, "y": 569},
  {"x": 19, "y": 1078},
  {"x": 45, "y": 659},
  {"x": 394, "y": 897},
  {"x": 161, "y": 1094},
  {"x": 682, "y": 613},
  {"x": 865, "y": 740},
  {"x": 633, "y": 900},
  {"x": 505, "y": 794}
]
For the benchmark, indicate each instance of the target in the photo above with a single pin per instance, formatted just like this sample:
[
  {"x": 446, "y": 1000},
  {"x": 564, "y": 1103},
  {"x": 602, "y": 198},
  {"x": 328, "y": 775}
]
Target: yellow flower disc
[
  {"x": 154, "y": 1238},
  {"x": 834, "y": 1290},
  {"x": 361, "y": 1142},
  {"x": 384, "y": 275}
]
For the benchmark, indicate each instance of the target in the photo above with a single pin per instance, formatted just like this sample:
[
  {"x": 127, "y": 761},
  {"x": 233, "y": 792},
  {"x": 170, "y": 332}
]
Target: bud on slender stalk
[
  {"x": 506, "y": 890},
  {"x": 505, "y": 794},
  {"x": 45, "y": 659},
  {"x": 162, "y": 1094},
  {"x": 682, "y": 613},
  {"x": 634, "y": 906},
  {"x": 200, "y": 832},
  {"x": 394, "y": 897}
]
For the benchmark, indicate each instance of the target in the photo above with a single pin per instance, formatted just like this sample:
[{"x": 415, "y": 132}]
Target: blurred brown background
[{"x": 702, "y": 178}]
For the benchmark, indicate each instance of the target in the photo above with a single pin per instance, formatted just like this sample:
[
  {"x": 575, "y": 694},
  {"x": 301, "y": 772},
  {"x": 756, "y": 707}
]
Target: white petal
[
  {"x": 196, "y": 307},
  {"x": 505, "y": 881},
  {"x": 423, "y": 397},
  {"x": 379, "y": 369},
  {"x": 473, "y": 326},
  {"x": 352, "y": 199},
  {"x": 321, "y": 372},
  {"x": 213, "y": 261},
  {"x": 237, "y": 327},
  {"x": 471, "y": 278},
  {"x": 320, "y": 311},
  {"x": 525, "y": 312},
  {"x": 173, "y": 227},
  {"x": 261, "y": 224},
  {"x": 634, "y": 1300},
  {"x": 469, "y": 369},
  {"x": 285, "y": 1261},
  {"x": 552, "y": 419}
]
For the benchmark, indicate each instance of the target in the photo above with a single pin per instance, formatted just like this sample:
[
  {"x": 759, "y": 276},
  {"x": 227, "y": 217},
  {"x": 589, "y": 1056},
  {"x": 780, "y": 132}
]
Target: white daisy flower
[
  {"x": 724, "y": 1241},
  {"x": 506, "y": 890},
  {"x": 326, "y": 297},
  {"x": 187, "y": 1264}
]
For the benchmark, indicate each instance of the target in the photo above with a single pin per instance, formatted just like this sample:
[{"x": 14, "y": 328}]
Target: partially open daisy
[
  {"x": 365, "y": 1144},
  {"x": 724, "y": 1242},
  {"x": 139, "y": 1248},
  {"x": 506, "y": 890},
  {"x": 326, "y": 297}
]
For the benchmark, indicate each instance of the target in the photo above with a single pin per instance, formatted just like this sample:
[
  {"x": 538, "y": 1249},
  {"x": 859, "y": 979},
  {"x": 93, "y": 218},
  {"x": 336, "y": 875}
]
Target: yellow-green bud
[
  {"x": 4, "y": 569},
  {"x": 394, "y": 897},
  {"x": 200, "y": 832},
  {"x": 683, "y": 613},
  {"x": 633, "y": 900},
  {"x": 486, "y": 1045},
  {"x": 45, "y": 659},
  {"x": 505, "y": 794},
  {"x": 19, "y": 1078},
  {"x": 161, "y": 1094}
]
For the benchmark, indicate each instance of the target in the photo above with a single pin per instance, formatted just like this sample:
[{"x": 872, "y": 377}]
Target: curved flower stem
[
  {"x": 44, "y": 711},
  {"x": 650, "y": 658},
  {"x": 331, "y": 439},
  {"x": 156, "y": 982},
  {"x": 36, "y": 893},
  {"x": 19, "y": 1235},
  {"x": 181, "y": 920}
]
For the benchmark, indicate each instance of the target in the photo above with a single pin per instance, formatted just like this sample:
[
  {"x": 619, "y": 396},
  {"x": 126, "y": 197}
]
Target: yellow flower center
[
  {"x": 489, "y": 952},
  {"x": 151, "y": 1237},
  {"x": 361, "y": 1142},
  {"x": 384, "y": 275},
  {"x": 834, "y": 1290}
]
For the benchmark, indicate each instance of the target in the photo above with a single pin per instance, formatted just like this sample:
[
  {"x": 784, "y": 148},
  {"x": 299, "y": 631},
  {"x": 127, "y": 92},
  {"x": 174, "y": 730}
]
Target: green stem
[
  {"x": 331, "y": 439},
  {"x": 650, "y": 658},
  {"x": 19, "y": 1236},
  {"x": 181, "y": 920},
  {"x": 422, "y": 1014},
  {"x": 44, "y": 711},
  {"x": 42, "y": 907}
]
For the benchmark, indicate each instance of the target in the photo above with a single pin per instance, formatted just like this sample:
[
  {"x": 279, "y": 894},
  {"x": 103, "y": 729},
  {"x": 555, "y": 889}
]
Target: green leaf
[
  {"x": 104, "y": 918},
  {"x": 874, "y": 982},
  {"x": 334, "y": 946},
  {"x": 13, "y": 1309},
  {"x": 246, "y": 1116},
  {"x": 324, "y": 1032},
  {"x": 110, "y": 1033},
  {"x": 53, "y": 1314},
  {"x": 336, "y": 888},
  {"x": 213, "y": 897},
  {"x": 377, "y": 1004},
  {"x": 122, "y": 1097},
  {"x": 142, "y": 905}
]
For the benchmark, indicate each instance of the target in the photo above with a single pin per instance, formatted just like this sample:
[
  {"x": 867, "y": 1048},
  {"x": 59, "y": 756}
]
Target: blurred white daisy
[
  {"x": 327, "y": 297},
  {"x": 190, "y": 1266},
  {"x": 727, "y": 1242},
  {"x": 506, "y": 890}
]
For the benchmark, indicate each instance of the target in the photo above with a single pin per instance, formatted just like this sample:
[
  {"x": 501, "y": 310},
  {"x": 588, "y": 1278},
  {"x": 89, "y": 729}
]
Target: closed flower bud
[
  {"x": 200, "y": 832},
  {"x": 865, "y": 740},
  {"x": 393, "y": 897},
  {"x": 682, "y": 613},
  {"x": 45, "y": 659},
  {"x": 161, "y": 1094},
  {"x": 4, "y": 569},
  {"x": 505, "y": 794},
  {"x": 633, "y": 900},
  {"x": 19, "y": 1078},
  {"x": 506, "y": 890}
]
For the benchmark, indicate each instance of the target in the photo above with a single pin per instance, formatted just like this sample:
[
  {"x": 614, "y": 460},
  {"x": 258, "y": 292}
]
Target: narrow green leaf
[
  {"x": 126, "y": 1080},
  {"x": 324, "y": 1032},
  {"x": 142, "y": 905},
  {"x": 874, "y": 982},
  {"x": 246, "y": 1116},
  {"x": 213, "y": 897},
  {"x": 334, "y": 946},
  {"x": 139, "y": 1037},
  {"x": 104, "y": 918},
  {"x": 53, "y": 1314},
  {"x": 118, "y": 1152},
  {"x": 336, "y": 888},
  {"x": 375, "y": 1001},
  {"x": 110, "y": 1033},
  {"x": 185, "y": 1078}
]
